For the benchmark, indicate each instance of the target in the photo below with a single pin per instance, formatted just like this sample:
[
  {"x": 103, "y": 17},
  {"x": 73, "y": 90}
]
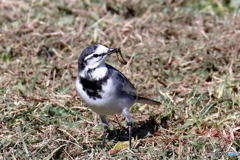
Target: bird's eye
[{"x": 95, "y": 55}]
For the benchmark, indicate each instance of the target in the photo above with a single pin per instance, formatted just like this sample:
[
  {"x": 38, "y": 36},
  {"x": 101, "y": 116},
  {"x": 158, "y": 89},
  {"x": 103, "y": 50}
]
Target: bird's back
[{"x": 124, "y": 86}]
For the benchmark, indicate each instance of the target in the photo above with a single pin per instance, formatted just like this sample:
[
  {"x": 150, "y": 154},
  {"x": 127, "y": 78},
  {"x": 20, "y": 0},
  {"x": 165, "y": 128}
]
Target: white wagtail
[{"x": 105, "y": 89}]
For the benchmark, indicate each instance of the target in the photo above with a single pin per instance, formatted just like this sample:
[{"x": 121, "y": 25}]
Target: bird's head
[{"x": 93, "y": 56}]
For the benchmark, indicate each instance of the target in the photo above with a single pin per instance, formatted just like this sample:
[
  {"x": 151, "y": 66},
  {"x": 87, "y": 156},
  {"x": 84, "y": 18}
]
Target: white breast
[
  {"x": 107, "y": 105},
  {"x": 111, "y": 100}
]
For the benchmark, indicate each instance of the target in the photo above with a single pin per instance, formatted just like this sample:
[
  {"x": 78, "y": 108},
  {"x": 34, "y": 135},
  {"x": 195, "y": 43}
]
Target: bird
[{"x": 104, "y": 89}]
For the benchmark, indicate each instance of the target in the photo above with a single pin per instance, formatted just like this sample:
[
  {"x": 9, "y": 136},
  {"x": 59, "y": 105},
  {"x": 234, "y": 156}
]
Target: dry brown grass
[{"x": 184, "y": 54}]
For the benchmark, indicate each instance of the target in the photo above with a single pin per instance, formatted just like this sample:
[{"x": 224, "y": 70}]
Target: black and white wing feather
[{"x": 124, "y": 85}]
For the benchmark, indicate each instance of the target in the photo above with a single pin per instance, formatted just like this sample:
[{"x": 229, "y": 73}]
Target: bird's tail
[{"x": 147, "y": 101}]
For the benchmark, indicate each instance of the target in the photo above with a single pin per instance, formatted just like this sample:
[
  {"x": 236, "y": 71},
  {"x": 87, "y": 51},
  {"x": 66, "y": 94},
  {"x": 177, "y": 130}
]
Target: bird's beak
[{"x": 113, "y": 50}]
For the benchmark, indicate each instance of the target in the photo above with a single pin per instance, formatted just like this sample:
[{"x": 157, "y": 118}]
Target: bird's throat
[{"x": 94, "y": 73}]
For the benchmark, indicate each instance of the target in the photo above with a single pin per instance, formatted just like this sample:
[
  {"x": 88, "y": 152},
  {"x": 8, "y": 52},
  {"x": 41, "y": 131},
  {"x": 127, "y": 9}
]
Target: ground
[{"x": 185, "y": 54}]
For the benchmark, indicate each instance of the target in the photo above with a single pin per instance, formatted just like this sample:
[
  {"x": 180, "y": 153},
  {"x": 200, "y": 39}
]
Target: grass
[{"x": 184, "y": 54}]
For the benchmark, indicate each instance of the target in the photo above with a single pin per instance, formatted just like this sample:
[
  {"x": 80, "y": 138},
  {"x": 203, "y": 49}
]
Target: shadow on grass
[{"x": 141, "y": 130}]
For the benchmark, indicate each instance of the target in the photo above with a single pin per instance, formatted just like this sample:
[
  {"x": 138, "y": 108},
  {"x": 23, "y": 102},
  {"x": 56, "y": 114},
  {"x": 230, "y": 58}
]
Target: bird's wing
[{"x": 123, "y": 83}]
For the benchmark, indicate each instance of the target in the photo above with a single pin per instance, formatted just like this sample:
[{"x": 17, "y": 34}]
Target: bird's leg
[
  {"x": 104, "y": 136},
  {"x": 105, "y": 125},
  {"x": 130, "y": 126}
]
